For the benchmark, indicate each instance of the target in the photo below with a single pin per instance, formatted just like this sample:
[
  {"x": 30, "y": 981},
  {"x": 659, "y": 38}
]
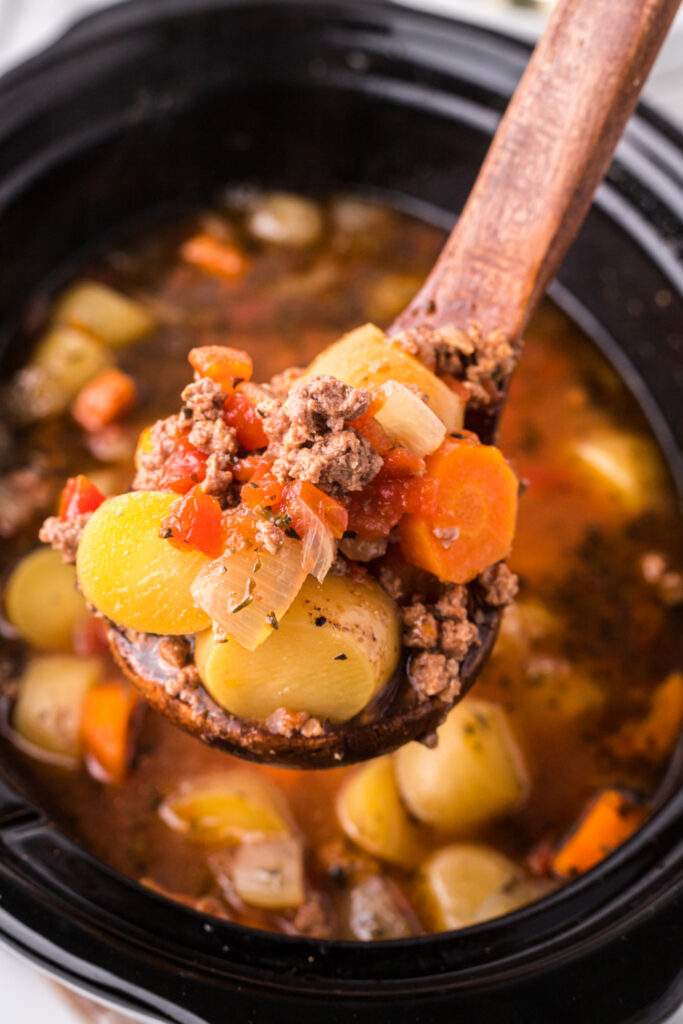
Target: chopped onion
[
  {"x": 270, "y": 874},
  {"x": 247, "y": 593},
  {"x": 319, "y": 546},
  {"x": 408, "y": 420}
]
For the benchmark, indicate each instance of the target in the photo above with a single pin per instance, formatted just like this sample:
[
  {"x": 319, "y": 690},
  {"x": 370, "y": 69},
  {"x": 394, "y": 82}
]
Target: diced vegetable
[
  {"x": 625, "y": 464},
  {"x": 246, "y": 593},
  {"x": 376, "y": 510},
  {"x": 651, "y": 738},
  {"x": 79, "y": 496},
  {"x": 42, "y": 602},
  {"x": 335, "y": 649},
  {"x": 210, "y": 254},
  {"x": 228, "y": 807},
  {"x": 196, "y": 522},
  {"x": 104, "y": 312},
  {"x": 48, "y": 710},
  {"x": 475, "y": 773},
  {"x": 240, "y": 413},
  {"x": 319, "y": 520},
  {"x": 184, "y": 467},
  {"x": 474, "y": 524},
  {"x": 133, "y": 576},
  {"x": 457, "y": 881},
  {"x": 103, "y": 400},
  {"x": 408, "y": 420},
  {"x": 610, "y": 819},
  {"x": 280, "y": 218},
  {"x": 107, "y": 729},
  {"x": 222, "y": 364},
  {"x": 64, "y": 361},
  {"x": 514, "y": 895},
  {"x": 270, "y": 874},
  {"x": 378, "y": 910},
  {"x": 370, "y": 811},
  {"x": 366, "y": 358}
]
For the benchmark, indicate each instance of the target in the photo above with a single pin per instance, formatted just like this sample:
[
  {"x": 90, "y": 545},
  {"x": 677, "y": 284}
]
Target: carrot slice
[
  {"x": 474, "y": 522},
  {"x": 221, "y": 363},
  {"x": 222, "y": 259},
  {"x": 609, "y": 820},
  {"x": 651, "y": 738},
  {"x": 106, "y": 729},
  {"x": 103, "y": 400}
]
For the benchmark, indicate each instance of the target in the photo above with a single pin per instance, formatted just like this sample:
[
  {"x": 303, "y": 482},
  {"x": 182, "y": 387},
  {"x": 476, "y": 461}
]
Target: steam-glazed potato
[
  {"x": 270, "y": 874},
  {"x": 104, "y": 312},
  {"x": 458, "y": 880},
  {"x": 513, "y": 896},
  {"x": 42, "y": 601},
  {"x": 48, "y": 709},
  {"x": 474, "y": 774},
  {"x": 370, "y": 811},
  {"x": 366, "y": 358},
  {"x": 624, "y": 464},
  {"x": 131, "y": 574},
  {"x": 333, "y": 651},
  {"x": 64, "y": 360},
  {"x": 228, "y": 807}
]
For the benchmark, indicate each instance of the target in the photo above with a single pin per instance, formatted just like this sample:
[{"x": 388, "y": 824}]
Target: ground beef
[
  {"x": 456, "y": 638},
  {"x": 284, "y": 722},
  {"x": 480, "y": 361},
  {"x": 203, "y": 400},
  {"x": 360, "y": 549},
  {"x": 392, "y": 583},
  {"x": 175, "y": 650},
  {"x": 163, "y": 439},
  {"x": 453, "y": 602},
  {"x": 281, "y": 384},
  {"x": 313, "y": 407},
  {"x": 269, "y": 536},
  {"x": 338, "y": 463},
  {"x": 22, "y": 493},
  {"x": 499, "y": 585},
  {"x": 432, "y": 673},
  {"x": 64, "y": 535},
  {"x": 420, "y": 627}
]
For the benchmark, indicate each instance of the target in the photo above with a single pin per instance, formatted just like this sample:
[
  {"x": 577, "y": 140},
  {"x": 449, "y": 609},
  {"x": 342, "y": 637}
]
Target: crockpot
[{"x": 146, "y": 108}]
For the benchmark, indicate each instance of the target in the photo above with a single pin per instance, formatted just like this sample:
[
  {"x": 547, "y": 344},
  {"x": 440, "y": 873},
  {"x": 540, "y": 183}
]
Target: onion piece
[
  {"x": 319, "y": 548},
  {"x": 270, "y": 874},
  {"x": 247, "y": 593},
  {"x": 408, "y": 420}
]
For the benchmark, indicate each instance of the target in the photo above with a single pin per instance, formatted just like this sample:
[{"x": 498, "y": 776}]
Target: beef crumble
[{"x": 64, "y": 535}]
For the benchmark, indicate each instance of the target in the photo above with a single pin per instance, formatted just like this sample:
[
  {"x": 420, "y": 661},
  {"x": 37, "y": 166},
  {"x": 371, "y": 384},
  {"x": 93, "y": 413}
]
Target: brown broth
[{"x": 578, "y": 549}]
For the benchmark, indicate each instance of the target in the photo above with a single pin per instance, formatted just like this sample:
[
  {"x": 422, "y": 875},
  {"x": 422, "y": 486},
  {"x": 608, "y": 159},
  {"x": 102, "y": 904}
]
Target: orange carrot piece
[
  {"x": 609, "y": 820},
  {"x": 107, "y": 729},
  {"x": 221, "y": 363},
  {"x": 222, "y": 259},
  {"x": 651, "y": 738},
  {"x": 474, "y": 523},
  {"x": 104, "y": 399}
]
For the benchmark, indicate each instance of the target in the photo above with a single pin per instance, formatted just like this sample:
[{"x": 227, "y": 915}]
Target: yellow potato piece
[
  {"x": 42, "y": 602},
  {"x": 131, "y": 574},
  {"x": 270, "y": 874},
  {"x": 333, "y": 651},
  {"x": 65, "y": 360},
  {"x": 370, "y": 811},
  {"x": 474, "y": 774},
  {"x": 104, "y": 312},
  {"x": 47, "y": 713},
  {"x": 366, "y": 358},
  {"x": 513, "y": 896},
  {"x": 626, "y": 465},
  {"x": 457, "y": 880},
  {"x": 228, "y": 807}
]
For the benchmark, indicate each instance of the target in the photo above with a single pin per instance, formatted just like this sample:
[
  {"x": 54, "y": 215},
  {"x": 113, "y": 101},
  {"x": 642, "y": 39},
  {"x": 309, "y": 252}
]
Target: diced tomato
[
  {"x": 78, "y": 497},
  {"x": 185, "y": 467},
  {"x": 241, "y": 414},
  {"x": 368, "y": 427},
  {"x": 222, "y": 259},
  {"x": 400, "y": 461},
  {"x": 263, "y": 490},
  {"x": 196, "y": 521},
  {"x": 245, "y": 468},
  {"x": 375, "y": 511},
  {"x": 103, "y": 400},
  {"x": 332, "y": 513},
  {"x": 221, "y": 363}
]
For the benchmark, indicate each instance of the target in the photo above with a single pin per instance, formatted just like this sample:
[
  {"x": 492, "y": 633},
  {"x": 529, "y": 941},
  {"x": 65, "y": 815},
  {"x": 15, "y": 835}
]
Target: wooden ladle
[{"x": 533, "y": 191}]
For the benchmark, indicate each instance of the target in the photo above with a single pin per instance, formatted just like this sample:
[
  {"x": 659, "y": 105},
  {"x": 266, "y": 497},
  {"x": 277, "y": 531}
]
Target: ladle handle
[{"x": 551, "y": 150}]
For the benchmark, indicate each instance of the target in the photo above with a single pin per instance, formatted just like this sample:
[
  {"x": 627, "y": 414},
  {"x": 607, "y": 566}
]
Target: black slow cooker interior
[{"x": 158, "y": 103}]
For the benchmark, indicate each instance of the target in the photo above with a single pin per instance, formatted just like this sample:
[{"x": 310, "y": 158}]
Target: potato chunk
[
  {"x": 270, "y": 874},
  {"x": 458, "y": 880},
  {"x": 336, "y": 647},
  {"x": 626, "y": 465},
  {"x": 513, "y": 896},
  {"x": 65, "y": 360},
  {"x": 228, "y": 807},
  {"x": 48, "y": 709},
  {"x": 370, "y": 811},
  {"x": 366, "y": 358},
  {"x": 42, "y": 601},
  {"x": 104, "y": 312},
  {"x": 131, "y": 574},
  {"x": 475, "y": 773}
]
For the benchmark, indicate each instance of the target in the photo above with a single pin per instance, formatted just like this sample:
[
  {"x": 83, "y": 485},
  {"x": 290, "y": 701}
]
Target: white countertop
[{"x": 28, "y": 25}]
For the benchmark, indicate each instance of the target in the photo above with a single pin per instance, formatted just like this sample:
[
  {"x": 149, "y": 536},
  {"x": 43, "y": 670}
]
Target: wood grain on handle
[{"x": 549, "y": 154}]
